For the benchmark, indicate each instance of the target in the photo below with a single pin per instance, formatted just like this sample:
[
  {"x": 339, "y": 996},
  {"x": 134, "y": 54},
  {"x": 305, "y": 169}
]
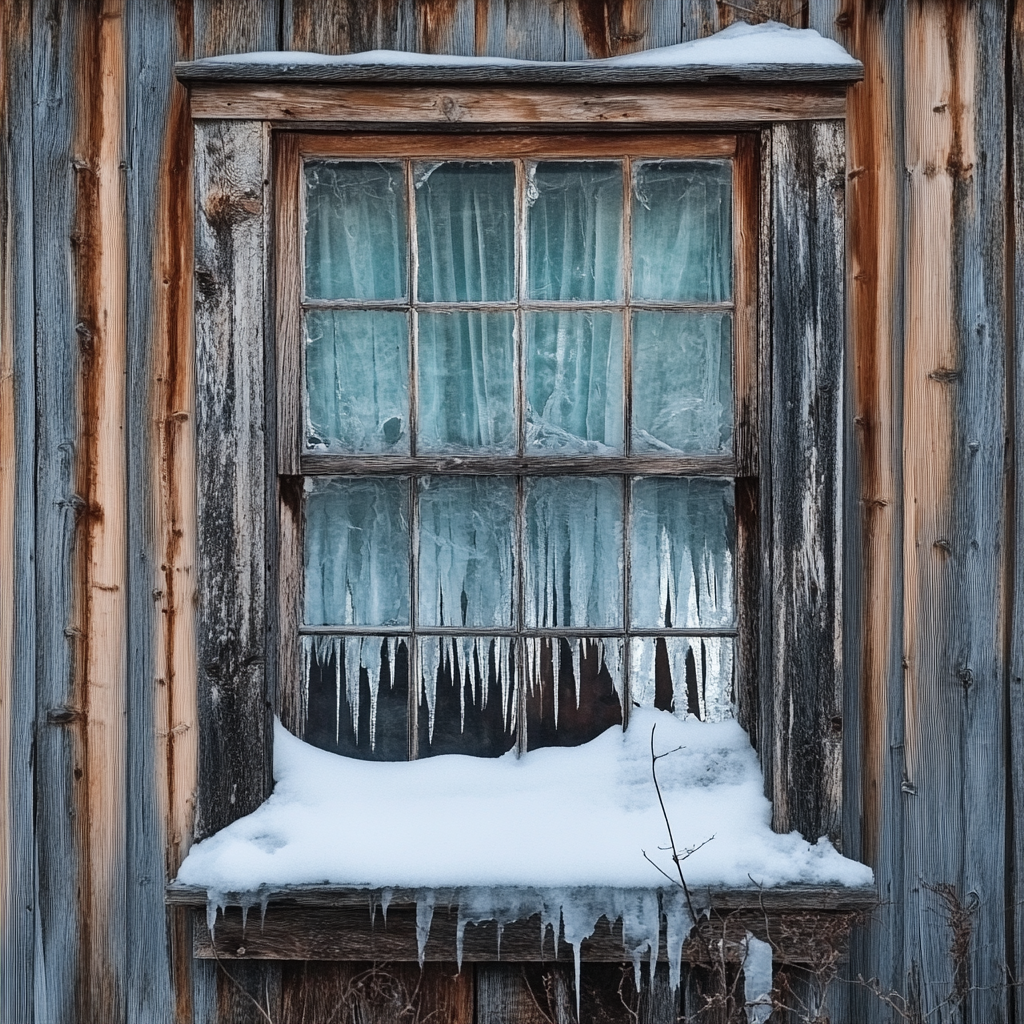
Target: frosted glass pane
[
  {"x": 357, "y": 552},
  {"x": 466, "y": 373},
  {"x": 574, "y": 382},
  {"x": 682, "y": 230},
  {"x": 574, "y": 551},
  {"x": 465, "y": 231},
  {"x": 574, "y": 231},
  {"x": 682, "y": 541},
  {"x": 355, "y": 230},
  {"x": 465, "y": 533},
  {"x": 689, "y": 676},
  {"x": 357, "y": 381},
  {"x": 682, "y": 382}
]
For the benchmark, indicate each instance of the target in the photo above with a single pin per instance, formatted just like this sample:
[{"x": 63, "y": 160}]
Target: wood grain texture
[
  {"x": 18, "y": 903},
  {"x": 607, "y": 28},
  {"x": 230, "y": 248},
  {"x": 525, "y": 29},
  {"x": 349, "y": 26},
  {"x": 363, "y": 106},
  {"x": 235, "y": 26},
  {"x": 803, "y": 534}
]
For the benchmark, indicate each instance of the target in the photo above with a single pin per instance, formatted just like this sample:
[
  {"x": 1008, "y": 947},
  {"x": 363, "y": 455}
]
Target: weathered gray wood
[
  {"x": 505, "y": 993},
  {"x": 548, "y": 70},
  {"x": 803, "y": 534},
  {"x": 698, "y": 18},
  {"x": 348, "y": 26},
  {"x": 231, "y": 162},
  {"x": 18, "y": 901},
  {"x": 597, "y": 28},
  {"x": 446, "y": 26},
  {"x": 525, "y": 29},
  {"x": 235, "y": 26}
]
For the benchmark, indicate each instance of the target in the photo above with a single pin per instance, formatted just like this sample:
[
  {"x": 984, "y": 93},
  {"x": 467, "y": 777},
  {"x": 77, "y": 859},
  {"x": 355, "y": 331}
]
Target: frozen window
[{"x": 519, "y": 388}]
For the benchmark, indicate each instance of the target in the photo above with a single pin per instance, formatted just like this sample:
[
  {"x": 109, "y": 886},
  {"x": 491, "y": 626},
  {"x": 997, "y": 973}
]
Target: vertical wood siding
[{"x": 98, "y": 669}]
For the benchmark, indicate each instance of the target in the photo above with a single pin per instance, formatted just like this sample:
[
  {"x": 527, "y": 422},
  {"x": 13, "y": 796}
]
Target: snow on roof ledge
[{"x": 770, "y": 52}]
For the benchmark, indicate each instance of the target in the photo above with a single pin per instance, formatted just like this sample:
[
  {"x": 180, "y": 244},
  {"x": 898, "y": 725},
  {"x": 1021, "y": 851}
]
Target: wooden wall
[{"x": 97, "y": 522}]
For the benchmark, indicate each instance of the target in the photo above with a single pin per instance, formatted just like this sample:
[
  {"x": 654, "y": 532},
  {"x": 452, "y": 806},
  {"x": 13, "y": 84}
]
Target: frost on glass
[
  {"x": 469, "y": 697},
  {"x": 356, "y": 695},
  {"x": 682, "y": 230},
  {"x": 355, "y": 230},
  {"x": 573, "y": 572},
  {"x": 357, "y": 381},
  {"x": 465, "y": 565},
  {"x": 574, "y": 382},
  {"x": 465, "y": 232},
  {"x": 682, "y": 540},
  {"x": 574, "y": 231},
  {"x": 690, "y": 676},
  {"x": 357, "y": 552},
  {"x": 682, "y": 382},
  {"x": 466, "y": 372}
]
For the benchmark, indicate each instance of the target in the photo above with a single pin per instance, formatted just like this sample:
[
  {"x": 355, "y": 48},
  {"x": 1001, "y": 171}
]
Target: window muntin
[{"x": 554, "y": 609}]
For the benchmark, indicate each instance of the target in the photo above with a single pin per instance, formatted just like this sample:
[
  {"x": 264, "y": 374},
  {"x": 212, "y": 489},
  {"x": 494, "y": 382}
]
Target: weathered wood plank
[
  {"x": 385, "y": 107},
  {"x": 554, "y": 71},
  {"x": 348, "y": 26},
  {"x": 604, "y": 28},
  {"x": 232, "y": 171},
  {"x": 803, "y": 535},
  {"x": 17, "y": 515},
  {"x": 525, "y": 29},
  {"x": 235, "y": 26},
  {"x": 506, "y": 992},
  {"x": 446, "y": 26}
]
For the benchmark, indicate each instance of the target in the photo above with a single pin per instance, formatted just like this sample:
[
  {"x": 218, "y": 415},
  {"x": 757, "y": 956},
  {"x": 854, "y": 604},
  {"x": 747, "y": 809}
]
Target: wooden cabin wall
[{"x": 97, "y": 490}]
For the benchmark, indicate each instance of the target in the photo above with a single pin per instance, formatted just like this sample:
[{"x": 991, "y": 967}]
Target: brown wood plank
[
  {"x": 348, "y": 26},
  {"x": 523, "y": 29},
  {"x": 606, "y": 28},
  {"x": 234, "y": 26},
  {"x": 803, "y": 534},
  {"x": 446, "y": 26},
  {"x": 506, "y": 992},
  {"x": 232, "y": 172}
]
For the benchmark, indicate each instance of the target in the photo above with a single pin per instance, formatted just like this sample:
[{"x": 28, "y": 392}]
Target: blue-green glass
[
  {"x": 573, "y": 382},
  {"x": 357, "y": 552},
  {"x": 465, "y": 232},
  {"x": 355, "y": 230},
  {"x": 574, "y": 231},
  {"x": 682, "y": 230},
  {"x": 357, "y": 381},
  {"x": 682, "y": 382},
  {"x": 465, "y": 375}
]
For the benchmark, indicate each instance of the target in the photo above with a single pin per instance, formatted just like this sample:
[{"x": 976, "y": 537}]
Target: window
[{"x": 515, "y": 405}]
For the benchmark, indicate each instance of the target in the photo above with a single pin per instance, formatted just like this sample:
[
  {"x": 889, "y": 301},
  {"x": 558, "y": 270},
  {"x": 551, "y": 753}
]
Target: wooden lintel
[{"x": 664, "y": 106}]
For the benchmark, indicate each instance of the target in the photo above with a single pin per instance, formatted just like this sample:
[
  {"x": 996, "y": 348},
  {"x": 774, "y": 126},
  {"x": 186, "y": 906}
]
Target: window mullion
[
  {"x": 627, "y": 417},
  {"x": 413, "y": 647}
]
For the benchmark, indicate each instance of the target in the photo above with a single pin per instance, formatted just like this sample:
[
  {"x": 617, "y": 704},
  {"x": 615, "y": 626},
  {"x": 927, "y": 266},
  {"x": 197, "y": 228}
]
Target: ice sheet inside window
[
  {"x": 574, "y": 231},
  {"x": 465, "y": 374},
  {"x": 682, "y": 382},
  {"x": 682, "y": 230},
  {"x": 355, "y": 230},
  {"x": 469, "y": 698},
  {"x": 465, "y": 231},
  {"x": 574, "y": 551},
  {"x": 357, "y": 381},
  {"x": 574, "y": 382},
  {"x": 357, "y": 552},
  {"x": 357, "y": 695},
  {"x": 690, "y": 676},
  {"x": 681, "y": 553},
  {"x": 465, "y": 536}
]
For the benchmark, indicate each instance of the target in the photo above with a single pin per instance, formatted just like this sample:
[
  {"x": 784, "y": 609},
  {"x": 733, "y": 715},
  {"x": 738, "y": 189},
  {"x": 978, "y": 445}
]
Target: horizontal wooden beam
[
  {"x": 578, "y": 72},
  {"x": 665, "y": 106}
]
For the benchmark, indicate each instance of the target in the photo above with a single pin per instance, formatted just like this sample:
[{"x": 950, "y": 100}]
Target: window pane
[
  {"x": 682, "y": 231},
  {"x": 574, "y": 551},
  {"x": 465, "y": 535},
  {"x": 682, "y": 382},
  {"x": 465, "y": 232},
  {"x": 574, "y": 382},
  {"x": 357, "y": 696},
  {"x": 357, "y": 552},
  {"x": 681, "y": 553},
  {"x": 355, "y": 230},
  {"x": 466, "y": 373},
  {"x": 683, "y": 674},
  {"x": 357, "y": 381},
  {"x": 573, "y": 689},
  {"x": 574, "y": 231},
  {"x": 469, "y": 698}
]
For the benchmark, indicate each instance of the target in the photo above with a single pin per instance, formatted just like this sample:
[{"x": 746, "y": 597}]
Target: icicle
[
  {"x": 483, "y": 654},
  {"x": 501, "y": 675},
  {"x": 611, "y": 659},
  {"x": 578, "y": 923},
  {"x": 641, "y": 925},
  {"x": 337, "y": 649},
  {"x": 678, "y": 925},
  {"x": 460, "y": 935},
  {"x": 430, "y": 657},
  {"x": 677, "y": 648},
  {"x": 245, "y": 915},
  {"x": 576, "y": 646},
  {"x": 501, "y": 929},
  {"x": 215, "y": 900},
  {"x": 264, "y": 903},
  {"x": 462, "y": 683},
  {"x": 468, "y": 645},
  {"x": 352, "y": 645},
  {"x": 385, "y": 902},
  {"x": 424, "y": 915},
  {"x": 757, "y": 980},
  {"x": 556, "y": 665}
]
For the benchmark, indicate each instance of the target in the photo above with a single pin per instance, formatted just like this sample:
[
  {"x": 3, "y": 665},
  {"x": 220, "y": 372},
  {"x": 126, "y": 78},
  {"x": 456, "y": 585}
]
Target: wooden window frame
[
  {"x": 291, "y": 150},
  {"x": 792, "y": 561}
]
